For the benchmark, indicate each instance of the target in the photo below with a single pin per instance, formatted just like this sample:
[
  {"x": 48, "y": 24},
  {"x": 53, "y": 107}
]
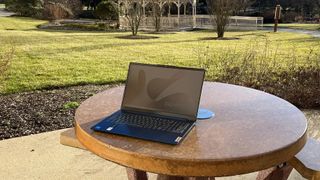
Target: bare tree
[
  {"x": 133, "y": 12},
  {"x": 220, "y": 11},
  {"x": 242, "y": 5},
  {"x": 156, "y": 15},
  {"x": 157, "y": 12}
]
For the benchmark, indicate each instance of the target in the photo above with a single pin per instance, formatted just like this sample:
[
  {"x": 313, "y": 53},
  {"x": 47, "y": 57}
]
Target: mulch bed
[
  {"x": 41, "y": 111},
  {"x": 137, "y": 37}
]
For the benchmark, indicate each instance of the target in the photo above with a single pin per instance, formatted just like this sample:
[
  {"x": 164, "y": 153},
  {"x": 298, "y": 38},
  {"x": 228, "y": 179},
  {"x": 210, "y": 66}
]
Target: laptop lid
[{"x": 165, "y": 90}]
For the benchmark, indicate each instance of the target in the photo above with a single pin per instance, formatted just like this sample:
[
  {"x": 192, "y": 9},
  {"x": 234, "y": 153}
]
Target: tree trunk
[
  {"x": 158, "y": 26},
  {"x": 220, "y": 34},
  {"x": 136, "y": 27},
  {"x": 221, "y": 28},
  {"x": 133, "y": 28}
]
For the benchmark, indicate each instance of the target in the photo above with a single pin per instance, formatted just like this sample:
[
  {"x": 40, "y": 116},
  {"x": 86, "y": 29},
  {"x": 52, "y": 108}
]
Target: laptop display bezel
[{"x": 168, "y": 114}]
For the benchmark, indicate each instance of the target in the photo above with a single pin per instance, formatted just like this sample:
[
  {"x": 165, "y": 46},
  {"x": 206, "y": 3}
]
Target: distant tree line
[
  {"x": 292, "y": 10},
  {"x": 91, "y": 4}
]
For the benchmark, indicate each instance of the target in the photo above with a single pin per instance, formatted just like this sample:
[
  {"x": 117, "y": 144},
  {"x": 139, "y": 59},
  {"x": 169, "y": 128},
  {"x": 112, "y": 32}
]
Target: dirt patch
[
  {"x": 220, "y": 39},
  {"x": 41, "y": 111},
  {"x": 137, "y": 37}
]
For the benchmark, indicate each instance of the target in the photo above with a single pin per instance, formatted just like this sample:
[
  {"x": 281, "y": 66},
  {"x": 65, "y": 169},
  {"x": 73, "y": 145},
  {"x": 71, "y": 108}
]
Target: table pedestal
[
  {"x": 134, "y": 174},
  {"x": 278, "y": 173}
]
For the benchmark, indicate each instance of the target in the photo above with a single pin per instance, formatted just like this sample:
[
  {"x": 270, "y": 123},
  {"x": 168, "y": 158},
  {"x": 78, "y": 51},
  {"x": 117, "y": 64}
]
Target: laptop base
[{"x": 107, "y": 126}]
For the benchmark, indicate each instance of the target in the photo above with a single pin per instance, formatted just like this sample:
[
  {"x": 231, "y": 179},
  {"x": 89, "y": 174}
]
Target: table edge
[{"x": 169, "y": 166}]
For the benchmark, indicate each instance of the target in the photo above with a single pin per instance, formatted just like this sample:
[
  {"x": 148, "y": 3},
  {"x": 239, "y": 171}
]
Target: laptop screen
[{"x": 165, "y": 90}]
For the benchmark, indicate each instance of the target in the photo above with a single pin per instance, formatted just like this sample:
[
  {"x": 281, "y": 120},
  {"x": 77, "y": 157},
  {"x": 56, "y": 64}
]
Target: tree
[
  {"x": 302, "y": 8},
  {"x": 157, "y": 12},
  {"x": 242, "y": 5},
  {"x": 220, "y": 11},
  {"x": 91, "y": 4},
  {"x": 25, "y": 7},
  {"x": 133, "y": 12},
  {"x": 107, "y": 10}
]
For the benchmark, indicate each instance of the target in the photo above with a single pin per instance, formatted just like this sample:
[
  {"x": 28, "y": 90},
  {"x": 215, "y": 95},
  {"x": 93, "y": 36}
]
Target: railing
[{"x": 201, "y": 21}]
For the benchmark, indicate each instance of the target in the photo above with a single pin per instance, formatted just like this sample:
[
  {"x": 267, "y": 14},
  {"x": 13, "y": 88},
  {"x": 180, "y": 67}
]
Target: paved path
[
  {"x": 42, "y": 156},
  {"x": 4, "y": 13},
  {"x": 309, "y": 32}
]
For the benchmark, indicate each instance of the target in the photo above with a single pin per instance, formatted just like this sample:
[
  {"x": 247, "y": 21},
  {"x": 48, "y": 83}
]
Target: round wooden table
[{"x": 251, "y": 131}]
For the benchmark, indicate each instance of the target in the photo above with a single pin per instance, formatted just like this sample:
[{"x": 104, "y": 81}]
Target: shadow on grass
[
  {"x": 137, "y": 37},
  {"x": 214, "y": 31},
  {"x": 218, "y": 39},
  {"x": 161, "y": 32},
  {"x": 112, "y": 45},
  {"x": 304, "y": 40},
  {"x": 258, "y": 34},
  {"x": 70, "y": 31}
]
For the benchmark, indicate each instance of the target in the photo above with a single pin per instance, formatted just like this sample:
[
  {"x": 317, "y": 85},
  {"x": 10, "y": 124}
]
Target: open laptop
[{"x": 160, "y": 103}]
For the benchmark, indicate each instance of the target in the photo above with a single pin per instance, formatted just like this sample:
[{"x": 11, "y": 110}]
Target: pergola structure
[
  {"x": 182, "y": 14},
  {"x": 178, "y": 11}
]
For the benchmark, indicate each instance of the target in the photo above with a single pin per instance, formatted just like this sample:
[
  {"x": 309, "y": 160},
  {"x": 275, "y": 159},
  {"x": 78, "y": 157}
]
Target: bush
[
  {"x": 60, "y": 9},
  {"x": 25, "y": 7},
  {"x": 289, "y": 17},
  {"x": 87, "y": 14},
  {"x": 56, "y": 11},
  {"x": 106, "y": 10},
  {"x": 47, "y": 9},
  {"x": 297, "y": 81}
]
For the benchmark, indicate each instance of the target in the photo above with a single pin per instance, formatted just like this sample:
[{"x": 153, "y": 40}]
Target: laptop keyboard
[{"x": 149, "y": 122}]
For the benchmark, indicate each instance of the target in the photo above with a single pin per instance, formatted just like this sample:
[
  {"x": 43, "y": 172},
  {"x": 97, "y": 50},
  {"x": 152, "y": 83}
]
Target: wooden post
[
  {"x": 280, "y": 173},
  {"x": 166, "y": 177},
  {"x": 277, "y": 15},
  {"x": 134, "y": 174},
  {"x": 179, "y": 14}
]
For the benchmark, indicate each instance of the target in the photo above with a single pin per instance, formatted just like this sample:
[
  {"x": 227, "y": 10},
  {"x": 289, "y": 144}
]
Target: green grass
[
  {"x": 312, "y": 27},
  {"x": 45, "y": 59},
  {"x": 71, "y": 105}
]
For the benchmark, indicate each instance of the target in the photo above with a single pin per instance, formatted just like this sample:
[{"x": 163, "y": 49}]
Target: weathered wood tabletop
[{"x": 251, "y": 131}]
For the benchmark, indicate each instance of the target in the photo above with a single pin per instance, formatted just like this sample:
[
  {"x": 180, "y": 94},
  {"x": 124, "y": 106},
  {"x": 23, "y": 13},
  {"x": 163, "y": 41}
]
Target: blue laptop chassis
[{"x": 142, "y": 133}]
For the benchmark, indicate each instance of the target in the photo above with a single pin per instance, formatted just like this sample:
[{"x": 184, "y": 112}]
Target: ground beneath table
[{"x": 41, "y": 156}]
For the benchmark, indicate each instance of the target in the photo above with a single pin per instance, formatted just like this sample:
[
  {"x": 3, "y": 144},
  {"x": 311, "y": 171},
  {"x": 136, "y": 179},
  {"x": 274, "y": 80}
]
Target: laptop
[{"x": 160, "y": 103}]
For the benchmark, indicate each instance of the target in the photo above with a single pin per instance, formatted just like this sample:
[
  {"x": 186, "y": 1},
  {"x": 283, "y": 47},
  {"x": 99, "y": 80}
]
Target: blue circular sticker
[{"x": 205, "y": 114}]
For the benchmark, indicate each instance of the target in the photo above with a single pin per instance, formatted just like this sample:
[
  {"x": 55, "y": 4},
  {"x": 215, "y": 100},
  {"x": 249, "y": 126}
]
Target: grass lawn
[
  {"x": 45, "y": 59},
  {"x": 312, "y": 27}
]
